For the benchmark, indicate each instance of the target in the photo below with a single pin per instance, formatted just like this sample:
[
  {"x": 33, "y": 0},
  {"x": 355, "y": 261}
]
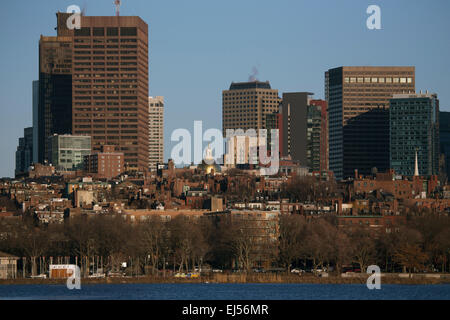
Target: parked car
[
  {"x": 180, "y": 275},
  {"x": 297, "y": 271},
  {"x": 97, "y": 275}
]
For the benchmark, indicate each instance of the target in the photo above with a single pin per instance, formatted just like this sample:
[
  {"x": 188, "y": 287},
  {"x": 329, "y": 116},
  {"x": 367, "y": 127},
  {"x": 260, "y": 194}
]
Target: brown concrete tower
[{"x": 110, "y": 84}]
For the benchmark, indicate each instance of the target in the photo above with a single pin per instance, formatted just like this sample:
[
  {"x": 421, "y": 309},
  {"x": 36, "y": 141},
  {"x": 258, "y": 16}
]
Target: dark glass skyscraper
[
  {"x": 358, "y": 98},
  {"x": 55, "y": 91},
  {"x": 444, "y": 137},
  {"x": 414, "y": 127},
  {"x": 24, "y": 153}
]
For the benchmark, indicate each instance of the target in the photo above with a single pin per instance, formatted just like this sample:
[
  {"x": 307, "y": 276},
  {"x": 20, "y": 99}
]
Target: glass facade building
[
  {"x": 66, "y": 152},
  {"x": 444, "y": 137},
  {"x": 358, "y": 98},
  {"x": 414, "y": 127}
]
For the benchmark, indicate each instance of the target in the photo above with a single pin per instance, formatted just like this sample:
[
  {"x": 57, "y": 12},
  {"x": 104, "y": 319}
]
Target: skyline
[{"x": 184, "y": 51}]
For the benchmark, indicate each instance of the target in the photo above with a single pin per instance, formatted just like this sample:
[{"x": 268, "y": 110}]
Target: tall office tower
[
  {"x": 67, "y": 152},
  {"x": 322, "y": 104},
  {"x": 302, "y": 121},
  {"x": 54, "y": 110},
  {"x": 35, "y": 88},
  {"x": 273, "y": 121},
  {"x": 24, "y": 153},
  {"x": 358, "y": 101},
  {"x": 294, "y": 114},
  {"x": 156, "y": 131},
  {"x": 444, "y": 138},
  {"x": 414, "y": 129},
  {"x": 109, "y": 84},
  {"x": 314, "y": 126},
  {"x": 246, "y": 104}
]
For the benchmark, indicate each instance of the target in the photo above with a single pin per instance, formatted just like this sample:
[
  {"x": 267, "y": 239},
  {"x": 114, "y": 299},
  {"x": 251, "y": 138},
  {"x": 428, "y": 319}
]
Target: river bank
[{"x": 249, "y": 278}]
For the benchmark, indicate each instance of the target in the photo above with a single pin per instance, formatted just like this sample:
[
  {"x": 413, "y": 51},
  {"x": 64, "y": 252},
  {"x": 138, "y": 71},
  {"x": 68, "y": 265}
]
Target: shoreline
[{"x": 417, "y": 279}]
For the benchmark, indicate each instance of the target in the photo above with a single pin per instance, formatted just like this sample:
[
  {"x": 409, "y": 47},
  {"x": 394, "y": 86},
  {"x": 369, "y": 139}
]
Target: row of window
[
  {"x": 377, "y": 80},
  {"x": 110, "y": 31}
]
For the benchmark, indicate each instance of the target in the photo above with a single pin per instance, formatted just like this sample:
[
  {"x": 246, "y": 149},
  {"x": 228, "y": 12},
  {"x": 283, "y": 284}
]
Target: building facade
[
  {"x": 246, "y": 104},
  {"x": 156, "y": 131},
  {"x": 105, "y": 95},
  {"x": 35, "y": 88},
  {"x": 294, "y": 114},
  {"x": 24, "y": 152},
  {"x": 67, "y": 152},
  {"x": 323, "y": 133},
  {"x": 54, "y": 110},
  {"x": 107, "y": 164},
  {"x": 414, "y": 128},
  {"x": 358, "y": 101},
  {"x": 444, "y": 138}
]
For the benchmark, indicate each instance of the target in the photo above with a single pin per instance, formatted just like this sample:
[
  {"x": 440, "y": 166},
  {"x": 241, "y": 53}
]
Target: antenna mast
[{"x": 117, "y": 3}]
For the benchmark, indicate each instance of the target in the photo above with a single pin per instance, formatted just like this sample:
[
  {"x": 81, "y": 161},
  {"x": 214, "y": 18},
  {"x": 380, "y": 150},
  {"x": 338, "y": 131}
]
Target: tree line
[{"x": 185, "y": 243}]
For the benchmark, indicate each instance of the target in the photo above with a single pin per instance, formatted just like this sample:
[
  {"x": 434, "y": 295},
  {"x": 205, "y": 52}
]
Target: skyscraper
[
  {"x": 444, "y": 138},
  {"x": 358, "y": 101},
  {"x": 294, "y": 114},
  {"x": 303, "y": 129},
  {"x": 35, "y": 88},
  {"x": 246, "y": 104},
  {"x": 323, "y": 151},
  {"x": 54, "y": 110},
  {"x": 24, "y": 152},
  {"x": 105, "y": 92},
  {"x": 414, "y": 128},
  {"x": 156, "y": 131}
]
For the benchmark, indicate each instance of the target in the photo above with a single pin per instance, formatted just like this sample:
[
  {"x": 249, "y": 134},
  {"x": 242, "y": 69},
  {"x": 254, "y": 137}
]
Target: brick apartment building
[{"x": 105, "y": 164}]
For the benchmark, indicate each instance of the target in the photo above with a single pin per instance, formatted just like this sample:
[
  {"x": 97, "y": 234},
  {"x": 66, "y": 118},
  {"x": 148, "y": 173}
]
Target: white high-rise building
[{"x": 156, "y": 130}]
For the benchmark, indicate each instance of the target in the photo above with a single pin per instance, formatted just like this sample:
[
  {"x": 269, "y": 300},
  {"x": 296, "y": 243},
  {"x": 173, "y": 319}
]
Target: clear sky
[{"x": 198, "y": 47}]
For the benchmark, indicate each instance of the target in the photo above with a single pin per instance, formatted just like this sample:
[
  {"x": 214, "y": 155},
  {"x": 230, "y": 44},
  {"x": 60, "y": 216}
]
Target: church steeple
[{"x": 416, "y": 167}]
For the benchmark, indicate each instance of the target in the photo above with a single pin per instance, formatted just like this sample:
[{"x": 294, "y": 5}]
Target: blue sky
[{"x": 198, "y": 47}]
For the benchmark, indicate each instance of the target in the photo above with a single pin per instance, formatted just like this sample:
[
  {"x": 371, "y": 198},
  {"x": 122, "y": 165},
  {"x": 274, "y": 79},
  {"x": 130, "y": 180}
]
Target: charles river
[{"x": 208, "y": 291}]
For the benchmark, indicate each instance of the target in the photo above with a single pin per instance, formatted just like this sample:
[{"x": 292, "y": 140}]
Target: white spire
[{"x": 416, "y": 167}]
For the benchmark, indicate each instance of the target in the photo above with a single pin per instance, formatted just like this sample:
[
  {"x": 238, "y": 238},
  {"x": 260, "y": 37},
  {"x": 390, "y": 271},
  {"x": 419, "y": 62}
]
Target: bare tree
[
  {"x": 364, "y": 251},
  {"x": 292, "y": 235}
]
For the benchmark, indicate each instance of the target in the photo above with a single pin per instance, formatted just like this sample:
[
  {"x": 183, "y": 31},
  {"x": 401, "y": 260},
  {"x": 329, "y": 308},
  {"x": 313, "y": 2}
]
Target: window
[
  {"x": 98, "y": 31},
  {"x": 112, "y": 31},
  {"x": 83, "y": 32},
  {"x": 128, "y": 31}
]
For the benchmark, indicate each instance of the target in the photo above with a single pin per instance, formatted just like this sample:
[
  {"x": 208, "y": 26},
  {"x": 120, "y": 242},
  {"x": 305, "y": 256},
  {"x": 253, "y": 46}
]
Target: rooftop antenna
[{"x": 117, "y": 3}]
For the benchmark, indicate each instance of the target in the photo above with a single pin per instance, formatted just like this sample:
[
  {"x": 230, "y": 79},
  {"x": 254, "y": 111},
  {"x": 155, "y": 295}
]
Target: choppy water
[{"x": 225, "y": 292}]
